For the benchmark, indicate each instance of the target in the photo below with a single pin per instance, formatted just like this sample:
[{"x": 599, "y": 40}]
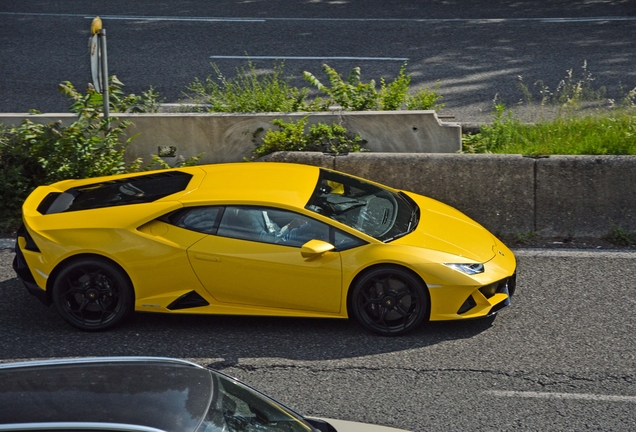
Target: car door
[{"x": 254, "y": 258}]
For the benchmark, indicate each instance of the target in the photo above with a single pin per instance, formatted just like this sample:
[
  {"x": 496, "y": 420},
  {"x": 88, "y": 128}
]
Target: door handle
[{"x": 204, "y": 257}]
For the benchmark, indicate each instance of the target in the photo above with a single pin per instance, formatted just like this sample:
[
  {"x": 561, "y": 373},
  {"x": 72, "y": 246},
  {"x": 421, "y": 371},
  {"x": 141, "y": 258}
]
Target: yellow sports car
[{"x": 261, "y": 238}]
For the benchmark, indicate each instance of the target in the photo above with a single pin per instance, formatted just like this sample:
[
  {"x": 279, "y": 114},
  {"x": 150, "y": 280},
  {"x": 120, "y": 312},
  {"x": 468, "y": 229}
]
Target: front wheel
[
  {"x": 389, "y": 301},
  {"x": 93, "y": 294}
]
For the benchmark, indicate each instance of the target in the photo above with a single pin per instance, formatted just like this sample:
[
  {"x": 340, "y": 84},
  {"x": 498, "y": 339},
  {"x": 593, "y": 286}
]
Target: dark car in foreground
[{"x": 144, "y": 394}]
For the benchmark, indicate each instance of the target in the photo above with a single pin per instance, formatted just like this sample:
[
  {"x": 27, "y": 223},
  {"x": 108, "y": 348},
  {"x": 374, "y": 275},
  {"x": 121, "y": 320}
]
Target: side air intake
[{"x": 189, "y": 300}]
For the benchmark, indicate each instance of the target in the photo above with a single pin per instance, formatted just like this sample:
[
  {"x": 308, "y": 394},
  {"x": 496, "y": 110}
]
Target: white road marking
[
  {"x": 574, "y": 253},
  {"x": 170, "y": 18},
  {"x": 548, "y": 20},
  {"x": 138, "y": 18},
  {"x": 251, "y": 57},
  {"x": 575, "y": 396}
]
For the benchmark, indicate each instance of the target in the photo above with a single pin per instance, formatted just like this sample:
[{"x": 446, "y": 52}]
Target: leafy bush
[
  {"x": 350, "y": 95},
  {"x": 393, "y": 94},
  {"x": 492, "y": 138},
  {"x": 35, "y": 154},
  {"x": 251, "y": 92},
  {"x": 425, "y": 99},
  {"x": 157, "y": 163},
  {"x": 248, "y": 92},
  {"x": 291, "y": 136},
  {"x": 120, "y": 102},
  {"x": 354, "y": 95}
]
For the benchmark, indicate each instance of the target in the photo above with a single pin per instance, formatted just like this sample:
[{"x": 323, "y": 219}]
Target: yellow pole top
[{"x": 96, "y": 26}]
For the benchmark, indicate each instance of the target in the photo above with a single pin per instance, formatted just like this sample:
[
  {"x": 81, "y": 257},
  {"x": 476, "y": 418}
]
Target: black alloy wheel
[
  {"x": 389, "y": 301},
  {"x": 93, "y": 294}
]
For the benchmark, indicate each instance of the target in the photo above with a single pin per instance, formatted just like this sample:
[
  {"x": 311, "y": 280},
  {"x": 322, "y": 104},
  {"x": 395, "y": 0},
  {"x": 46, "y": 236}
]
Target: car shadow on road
[{"x": 36, "y": 331}]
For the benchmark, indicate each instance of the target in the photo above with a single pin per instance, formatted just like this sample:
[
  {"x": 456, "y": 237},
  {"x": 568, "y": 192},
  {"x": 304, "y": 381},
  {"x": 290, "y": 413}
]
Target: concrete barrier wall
[
  {"x": 585, "y": 194},
  {"x": 229, "y": 137},
  {"x": 577, "y": 196}
]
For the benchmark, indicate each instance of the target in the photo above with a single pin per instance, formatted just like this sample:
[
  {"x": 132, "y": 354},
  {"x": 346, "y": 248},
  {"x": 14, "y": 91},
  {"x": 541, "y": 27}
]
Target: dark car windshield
[
  {"x": 367, "y": 207},
  {"x": 166, "y": 395},
  {"x": 237, "y": 408}
]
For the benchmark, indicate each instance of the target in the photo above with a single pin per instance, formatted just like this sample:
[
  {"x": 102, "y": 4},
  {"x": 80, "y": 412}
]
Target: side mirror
[{"x": 315, "y": 248}]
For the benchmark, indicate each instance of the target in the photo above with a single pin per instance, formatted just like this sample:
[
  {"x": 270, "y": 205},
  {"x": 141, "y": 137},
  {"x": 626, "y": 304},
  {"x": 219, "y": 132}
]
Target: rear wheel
[
  {"x": 389, "y": 301},
  {"x": 93, "y": 294}
]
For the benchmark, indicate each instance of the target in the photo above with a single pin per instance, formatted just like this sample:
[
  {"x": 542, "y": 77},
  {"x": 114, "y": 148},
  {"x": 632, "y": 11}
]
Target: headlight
[{"x": 469, "y": 269}]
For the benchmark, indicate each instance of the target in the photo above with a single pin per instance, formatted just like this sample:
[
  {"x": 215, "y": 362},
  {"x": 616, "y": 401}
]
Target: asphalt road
[
  {"x": 563, "y": 357},
  {"x": 477, "y": 50}
]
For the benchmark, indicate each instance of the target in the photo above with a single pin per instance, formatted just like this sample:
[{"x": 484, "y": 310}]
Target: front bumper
[
  {"x": 495, "y": 296},
  {"x": 479, "y": 295},
  {"x": 469, "y": 302}
]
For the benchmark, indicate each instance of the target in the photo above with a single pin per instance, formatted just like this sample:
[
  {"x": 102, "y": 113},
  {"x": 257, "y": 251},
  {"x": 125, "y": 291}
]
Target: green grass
[
  {"x": 621, "y": 237},
  {"x": 574, "y": 118},
  {"x": 605, "y": 132}
]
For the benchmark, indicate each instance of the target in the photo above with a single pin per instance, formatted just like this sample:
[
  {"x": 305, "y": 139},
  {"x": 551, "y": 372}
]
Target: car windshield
[
  {"x": 367, "y": 207},
  {"x": 237, "y": 408}
]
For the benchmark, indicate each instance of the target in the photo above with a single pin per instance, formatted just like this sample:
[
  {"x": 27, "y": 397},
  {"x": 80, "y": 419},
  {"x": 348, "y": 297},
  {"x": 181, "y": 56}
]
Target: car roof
[
  {"x": 257, "y": 182},
  {"x": 276, "y": 183},
  {"x": 159, "y": 393}
]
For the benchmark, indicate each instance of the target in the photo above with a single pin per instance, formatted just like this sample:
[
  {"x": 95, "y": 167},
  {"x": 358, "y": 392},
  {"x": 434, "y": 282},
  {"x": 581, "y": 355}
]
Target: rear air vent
[
  {"x": 30, "y": 244},
  {"x": 124, "y": 191}
]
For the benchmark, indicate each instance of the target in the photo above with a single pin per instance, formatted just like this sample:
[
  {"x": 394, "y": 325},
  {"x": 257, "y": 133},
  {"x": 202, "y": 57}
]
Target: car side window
[
  {"x": 270, "y": 225},
  {"x": 200, "y": 219},
  {"x": 344, "y": 241}
]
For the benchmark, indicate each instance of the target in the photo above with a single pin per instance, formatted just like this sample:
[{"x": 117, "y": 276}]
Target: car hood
[
  {"x": 349, "y": 426},
  {"x": 446, "y": 229}
]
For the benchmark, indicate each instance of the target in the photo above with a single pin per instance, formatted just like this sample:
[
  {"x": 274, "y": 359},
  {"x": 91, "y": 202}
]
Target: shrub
[
  {"x": 354, "y": 95},
  {"x": 425, "y": 99},
  {"x": 291, "y": 136},
  {"x": 120, "y": 102},
  {"x": 492, "y": 138},
  {"x": 248, "y": 92},
  {"x": 35, "y": 154},
  {"x": 350, "y": 95},
  {"x": 251, "y": 92}
]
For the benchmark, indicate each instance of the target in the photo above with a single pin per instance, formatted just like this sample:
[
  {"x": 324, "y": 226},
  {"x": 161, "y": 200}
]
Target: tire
[
  {"x": 389, "y": 301},
  {"x": 93, "y": 294}
]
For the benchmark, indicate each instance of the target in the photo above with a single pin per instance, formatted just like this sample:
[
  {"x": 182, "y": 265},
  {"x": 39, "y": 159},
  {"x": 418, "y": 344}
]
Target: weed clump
[{"x": 586, "y": 123}]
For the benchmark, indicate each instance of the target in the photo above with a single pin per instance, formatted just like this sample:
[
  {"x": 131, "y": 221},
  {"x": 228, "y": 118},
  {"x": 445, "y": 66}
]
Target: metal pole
[{"x": 104, "y": 65}]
